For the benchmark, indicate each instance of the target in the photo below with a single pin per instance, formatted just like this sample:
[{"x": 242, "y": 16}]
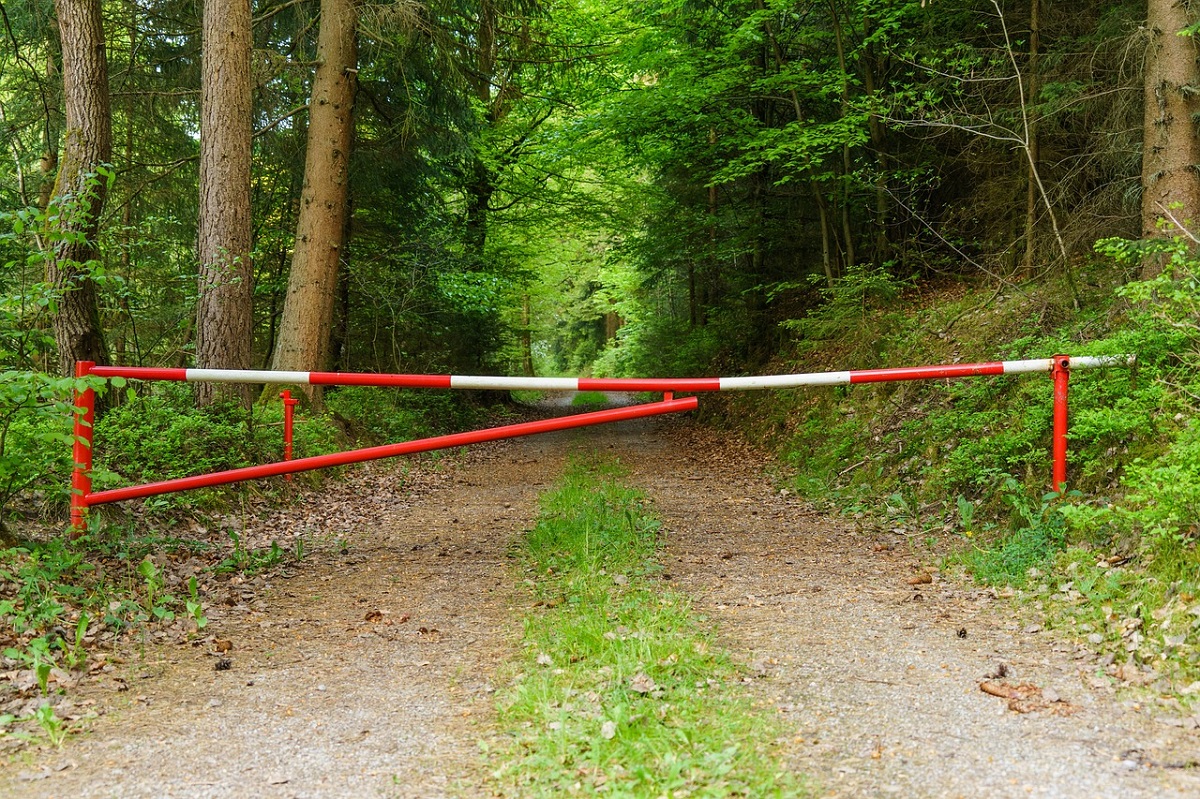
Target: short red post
[
  {"x": 1061, "y": 371},
  {"x": 289, "y": 411},
  {"x": 81, "y": 451}
]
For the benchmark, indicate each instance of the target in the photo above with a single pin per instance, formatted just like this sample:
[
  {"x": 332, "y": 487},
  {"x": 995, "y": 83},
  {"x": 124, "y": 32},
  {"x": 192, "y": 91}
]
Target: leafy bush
[
  {"x": 36, "y": 435},
  {"x": 163, "y": 435},
  {"x": 384, "y": 415},
  {"x": 1039, "y": 532}
]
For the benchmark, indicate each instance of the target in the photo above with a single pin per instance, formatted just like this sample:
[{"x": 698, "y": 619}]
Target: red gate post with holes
[
  {"x": 289, "y": 415},
  {"x": 81, "y": 451},
  {"x": 1061, "y": 372}
]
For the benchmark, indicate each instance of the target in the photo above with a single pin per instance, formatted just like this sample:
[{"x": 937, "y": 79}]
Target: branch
[{"x": 287, "y": 115}]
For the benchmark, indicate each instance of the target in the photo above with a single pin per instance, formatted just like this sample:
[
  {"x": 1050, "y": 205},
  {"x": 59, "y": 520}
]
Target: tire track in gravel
[{"x": 366, "y": 674}]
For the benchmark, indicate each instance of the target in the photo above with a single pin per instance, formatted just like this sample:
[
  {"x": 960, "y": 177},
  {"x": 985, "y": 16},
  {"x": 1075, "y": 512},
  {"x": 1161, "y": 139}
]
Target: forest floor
[{"x": 369, "y": 668}]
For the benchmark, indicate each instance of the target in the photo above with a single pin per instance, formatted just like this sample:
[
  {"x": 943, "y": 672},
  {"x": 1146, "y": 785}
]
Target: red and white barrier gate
[{"x": 83, "y": 497}]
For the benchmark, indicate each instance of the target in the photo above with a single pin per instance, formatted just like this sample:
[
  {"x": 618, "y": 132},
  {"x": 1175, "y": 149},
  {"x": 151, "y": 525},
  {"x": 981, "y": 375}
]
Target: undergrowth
[{"x": 620, "y": 690}]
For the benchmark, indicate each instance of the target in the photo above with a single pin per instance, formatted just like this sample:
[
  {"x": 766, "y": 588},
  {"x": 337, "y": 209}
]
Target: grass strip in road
[{"x": 620, "y": 691}]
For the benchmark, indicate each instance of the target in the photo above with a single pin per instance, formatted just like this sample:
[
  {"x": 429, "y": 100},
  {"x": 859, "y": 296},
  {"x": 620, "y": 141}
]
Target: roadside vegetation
[{"x": 620, "y": 689}]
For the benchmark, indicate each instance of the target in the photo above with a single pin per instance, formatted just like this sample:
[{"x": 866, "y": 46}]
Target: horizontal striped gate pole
[
  {"x": 1059, "y": 367},
  {"x": 682, "y": 384}
]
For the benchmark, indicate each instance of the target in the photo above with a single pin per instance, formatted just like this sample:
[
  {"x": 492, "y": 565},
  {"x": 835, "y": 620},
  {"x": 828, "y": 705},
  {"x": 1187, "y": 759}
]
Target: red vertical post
[
  {"x": 1061, "y": 371},
  {"x": 81, "y": 452},
  {"x": 289, "y": 406}
]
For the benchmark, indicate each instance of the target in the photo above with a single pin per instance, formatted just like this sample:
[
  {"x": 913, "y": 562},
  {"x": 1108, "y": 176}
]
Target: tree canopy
[{"x": 567, "y": 184}]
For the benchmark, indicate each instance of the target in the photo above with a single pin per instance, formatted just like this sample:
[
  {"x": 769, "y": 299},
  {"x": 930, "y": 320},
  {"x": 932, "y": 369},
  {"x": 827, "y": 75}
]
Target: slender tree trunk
[
  {"x": 79, "y": 198},
  {"x": 879, "y": 143},
  {"x": 526, "y": 336},
  {"x": 847, "y": 168},
  {"x": 1033, "y": 89},
  {"x": 306, "y": 329},
  {"x": 224, "y": 321},
  {"x": 1170, "y": 148}
]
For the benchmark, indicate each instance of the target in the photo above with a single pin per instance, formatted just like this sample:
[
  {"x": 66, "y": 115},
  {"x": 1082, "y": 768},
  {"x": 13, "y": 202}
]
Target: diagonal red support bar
[{"x": 392, "y": 450}]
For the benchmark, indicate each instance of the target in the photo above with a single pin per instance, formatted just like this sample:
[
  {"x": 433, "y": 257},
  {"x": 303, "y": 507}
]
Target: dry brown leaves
[{"x": 1027, "y": 698}]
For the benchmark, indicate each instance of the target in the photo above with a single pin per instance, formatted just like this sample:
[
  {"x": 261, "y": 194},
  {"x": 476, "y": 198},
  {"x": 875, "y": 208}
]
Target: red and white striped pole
[
  {"x": 684, "y": 384},
  {"x": 1059, "y": 366}
]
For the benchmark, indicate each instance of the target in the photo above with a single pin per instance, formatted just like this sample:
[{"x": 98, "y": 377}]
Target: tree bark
[
  {"x": 305, "y": 331},
  {"x": 1170, "y": 148},
  {"x": 78, "y": 194},
  {"x": 224, "y": 309}
]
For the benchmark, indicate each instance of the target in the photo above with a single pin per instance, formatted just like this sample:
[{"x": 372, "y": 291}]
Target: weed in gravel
[{"x": 620, "y": 689}]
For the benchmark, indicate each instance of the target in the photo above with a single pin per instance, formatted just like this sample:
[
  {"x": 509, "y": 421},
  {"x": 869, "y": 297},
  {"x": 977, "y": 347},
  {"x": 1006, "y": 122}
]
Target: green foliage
[
  {"x": 1038, "y": 533},
  {"x": 161, "y": 435},
  {"x": 383, "y": 415},
  {"x": 36, "y": 434},
  {"x": 847, "y": 303},
  {"x": 249, "y": 561},
  {"x": 620, "y": 689}
]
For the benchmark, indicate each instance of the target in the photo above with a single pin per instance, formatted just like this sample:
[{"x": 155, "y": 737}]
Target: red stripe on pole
[
  {"x": 649, "y": 384},
  {"x": 391, "y": 450},
  {"x": 140, "y": 372},
  {"x": 927, "y": 372},
  {"x": 360, "y": 379}
]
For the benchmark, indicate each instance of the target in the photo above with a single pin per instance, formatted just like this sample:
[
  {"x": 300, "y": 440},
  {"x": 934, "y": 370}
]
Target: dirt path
[
  {"x": 369, "y": 671},
  {"x": 364, "y": 674}
]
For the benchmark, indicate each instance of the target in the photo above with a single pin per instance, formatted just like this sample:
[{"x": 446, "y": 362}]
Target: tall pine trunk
[
  {"x": 78, "y": 194},
  {"x": 224, "y": 320},
  {"x": 305, "y": 331},
  {"x": 1170, "y": 148}
]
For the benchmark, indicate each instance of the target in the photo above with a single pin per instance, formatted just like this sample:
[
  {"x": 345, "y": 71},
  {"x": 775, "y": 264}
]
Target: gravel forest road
[{"x": 369, "y": 669}]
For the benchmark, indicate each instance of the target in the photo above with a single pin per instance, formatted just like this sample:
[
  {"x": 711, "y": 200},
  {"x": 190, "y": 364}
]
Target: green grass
[
  {"x": 589, "y": 398},
  {"x": 620, "y": 690}
]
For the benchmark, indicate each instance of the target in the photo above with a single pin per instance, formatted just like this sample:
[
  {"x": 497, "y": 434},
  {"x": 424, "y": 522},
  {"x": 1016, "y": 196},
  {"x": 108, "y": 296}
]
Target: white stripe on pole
[
  {"x": 247, "y": 376},
  {"x": 516, "y": 383},
  {"x": 784, "y": 381},
  {"x": 1024, "y": 367},
  {"x": 1101, "y": 361}
]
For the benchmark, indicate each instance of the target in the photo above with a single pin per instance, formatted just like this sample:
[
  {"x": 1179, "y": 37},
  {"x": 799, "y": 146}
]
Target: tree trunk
[
  {"x": 1170, "y": 149},
  {"x": 879, "y": 143},
  {"x": 305, "y": 331},
  {"x": 526, "y": 336},
  {"x": 1033, "y": 89},
  {"x": 847, "y": 166},
  {"x": 224, "y": 309},
  {"x": 78, "y": 195}
]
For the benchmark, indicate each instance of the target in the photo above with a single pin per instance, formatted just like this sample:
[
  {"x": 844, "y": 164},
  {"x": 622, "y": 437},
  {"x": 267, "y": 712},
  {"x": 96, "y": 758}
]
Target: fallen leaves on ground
[{"x": 1027, "y": 698}]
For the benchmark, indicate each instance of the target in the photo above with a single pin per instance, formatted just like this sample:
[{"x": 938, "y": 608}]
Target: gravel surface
[{"x": 368, "y": 670}]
